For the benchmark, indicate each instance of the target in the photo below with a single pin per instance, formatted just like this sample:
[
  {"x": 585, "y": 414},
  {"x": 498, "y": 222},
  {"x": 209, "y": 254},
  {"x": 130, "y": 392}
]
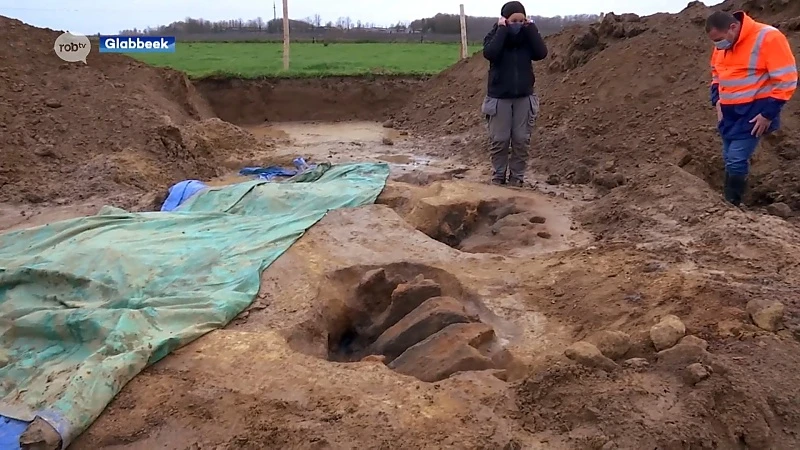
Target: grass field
[{"x": 252, "y": 60}]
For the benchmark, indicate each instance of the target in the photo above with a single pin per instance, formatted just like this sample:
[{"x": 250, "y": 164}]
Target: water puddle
[
  {"x": 301, "y": 134},
  {"x": 340, "y": 142}
]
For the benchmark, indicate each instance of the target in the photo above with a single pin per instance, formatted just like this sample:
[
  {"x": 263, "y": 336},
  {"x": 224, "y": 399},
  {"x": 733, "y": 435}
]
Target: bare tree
[{"x": 317, "y": 21}]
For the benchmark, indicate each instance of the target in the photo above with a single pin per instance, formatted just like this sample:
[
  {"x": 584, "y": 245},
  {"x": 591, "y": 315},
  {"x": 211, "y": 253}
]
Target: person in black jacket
[{"x": 511, "y": 105}]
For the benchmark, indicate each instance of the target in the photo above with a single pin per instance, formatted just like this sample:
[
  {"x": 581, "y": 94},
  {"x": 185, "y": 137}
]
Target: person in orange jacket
[{"x": 754, "y": 74}]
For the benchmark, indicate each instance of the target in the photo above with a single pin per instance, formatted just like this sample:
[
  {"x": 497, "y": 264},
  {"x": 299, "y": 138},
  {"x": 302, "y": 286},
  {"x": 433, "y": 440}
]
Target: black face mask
[{"x": 514, "y": 28}]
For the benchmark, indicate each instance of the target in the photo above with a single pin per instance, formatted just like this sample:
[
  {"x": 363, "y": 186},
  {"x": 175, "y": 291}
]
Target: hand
[
  {"x": 761, "y": 125},
  {"x": 719, "y": 112},
  {"x": 501, "y": 22}
]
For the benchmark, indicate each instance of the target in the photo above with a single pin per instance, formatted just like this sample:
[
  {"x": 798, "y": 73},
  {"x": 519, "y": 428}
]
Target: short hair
[{"x": 720, "y": 20}]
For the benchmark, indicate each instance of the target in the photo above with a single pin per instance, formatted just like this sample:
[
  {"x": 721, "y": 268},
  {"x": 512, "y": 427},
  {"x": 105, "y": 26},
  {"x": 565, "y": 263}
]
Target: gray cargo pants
[{"x": 510, "y": 125}]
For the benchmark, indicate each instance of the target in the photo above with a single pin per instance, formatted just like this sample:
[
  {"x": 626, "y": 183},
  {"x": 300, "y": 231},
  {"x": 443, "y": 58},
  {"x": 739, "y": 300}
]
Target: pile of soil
[
  {"x": 619, "y": 94},
  {"x": 625, "y": 106},
  {"x": 113, "y": 128}
]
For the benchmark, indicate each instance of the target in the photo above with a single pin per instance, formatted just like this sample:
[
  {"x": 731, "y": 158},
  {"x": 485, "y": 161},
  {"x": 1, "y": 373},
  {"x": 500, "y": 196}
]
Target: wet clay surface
[{"x": 272, "y": 377}]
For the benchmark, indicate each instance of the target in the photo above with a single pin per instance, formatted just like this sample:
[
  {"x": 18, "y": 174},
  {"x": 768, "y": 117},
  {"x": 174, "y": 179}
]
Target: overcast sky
[{"x": 92, "y": 16}]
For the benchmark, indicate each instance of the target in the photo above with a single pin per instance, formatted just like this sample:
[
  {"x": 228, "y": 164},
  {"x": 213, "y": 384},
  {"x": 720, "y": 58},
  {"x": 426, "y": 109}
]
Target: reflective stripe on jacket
[{"x": 758, "y": 75}]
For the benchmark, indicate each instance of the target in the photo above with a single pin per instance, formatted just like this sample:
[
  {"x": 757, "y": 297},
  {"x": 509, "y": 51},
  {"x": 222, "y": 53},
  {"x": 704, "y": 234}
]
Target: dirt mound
[
  {"x": 625, "y": 107},
  {"x": 112, "y": 128},
  {"x": 620, "y": 94},
  {"x": 776, "y": 10},
  {"x": 665, "y": 405}
]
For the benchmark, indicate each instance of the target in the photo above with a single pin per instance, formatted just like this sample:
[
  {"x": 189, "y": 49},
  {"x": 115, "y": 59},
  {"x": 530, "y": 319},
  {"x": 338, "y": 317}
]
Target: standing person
[
  {"x": 511, "y": 105},
  {"x": 753, "y": 75}
]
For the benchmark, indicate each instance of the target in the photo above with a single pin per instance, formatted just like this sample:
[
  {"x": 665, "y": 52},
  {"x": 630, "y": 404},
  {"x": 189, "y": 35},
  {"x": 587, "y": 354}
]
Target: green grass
[{"x": 254, "y": 60}]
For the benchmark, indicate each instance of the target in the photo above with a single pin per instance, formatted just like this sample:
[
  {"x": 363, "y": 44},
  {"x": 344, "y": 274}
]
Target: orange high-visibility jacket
[{"x": 759, "y": 71}]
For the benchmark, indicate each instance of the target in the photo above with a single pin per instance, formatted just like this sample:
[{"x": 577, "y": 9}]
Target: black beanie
[{"x": 512, "y": 8}]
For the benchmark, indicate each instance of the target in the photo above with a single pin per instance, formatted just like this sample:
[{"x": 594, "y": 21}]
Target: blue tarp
[
  {"x": 180, "y": 192},
  {"x": 86, "y": 304},
  {"x": 271, "y": 172}
]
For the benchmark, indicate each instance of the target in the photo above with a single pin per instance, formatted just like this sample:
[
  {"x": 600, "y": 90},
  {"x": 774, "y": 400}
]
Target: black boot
[
  {"x": 735, "y": 186},
  {"x": 726, "y": 188}
]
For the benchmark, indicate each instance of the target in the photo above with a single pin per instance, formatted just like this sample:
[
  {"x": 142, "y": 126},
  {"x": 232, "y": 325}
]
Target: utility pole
[{"x": 274, "y": 10}]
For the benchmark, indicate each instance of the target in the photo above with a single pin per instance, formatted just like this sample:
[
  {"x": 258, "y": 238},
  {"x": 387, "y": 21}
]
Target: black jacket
[{"x": 510, "y": 56}]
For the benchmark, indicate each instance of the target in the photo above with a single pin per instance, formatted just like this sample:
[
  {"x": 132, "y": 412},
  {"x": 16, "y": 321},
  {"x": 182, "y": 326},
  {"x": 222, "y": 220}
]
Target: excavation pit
[
  {"x": 483, "y": 219},
  {"x": 420, "y": 323},
  {"x": 251, "y": 102}
]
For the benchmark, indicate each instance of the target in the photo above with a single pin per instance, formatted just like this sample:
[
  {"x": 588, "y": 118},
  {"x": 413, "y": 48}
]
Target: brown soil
[
  {"x": 627, "y": 92},
  {"x": 536, "y": 270},
  {"x": 113, "y": 128},
  {"x": 250, "y": 102}
]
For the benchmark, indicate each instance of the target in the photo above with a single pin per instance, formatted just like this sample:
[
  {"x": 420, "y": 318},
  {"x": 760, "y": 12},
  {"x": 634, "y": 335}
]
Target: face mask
[
  {"x": 723, "y": 44},
  {"x": 514, "y": 28}
]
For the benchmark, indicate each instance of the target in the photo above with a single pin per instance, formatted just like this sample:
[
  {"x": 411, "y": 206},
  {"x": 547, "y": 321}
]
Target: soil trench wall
[{"x": 250, "y": 102}]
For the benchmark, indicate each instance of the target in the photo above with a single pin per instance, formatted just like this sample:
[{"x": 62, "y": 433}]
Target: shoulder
[{"x": 772, "y": 34}]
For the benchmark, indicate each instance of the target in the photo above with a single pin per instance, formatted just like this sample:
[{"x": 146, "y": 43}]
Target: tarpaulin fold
[{"x": 86, "y": 304}]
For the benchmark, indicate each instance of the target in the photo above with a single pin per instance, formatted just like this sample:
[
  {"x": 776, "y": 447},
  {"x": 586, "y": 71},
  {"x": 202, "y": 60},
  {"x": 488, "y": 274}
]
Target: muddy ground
[
  {"x": 539, "y": 274},
  {"x": 615, "y": 302}
]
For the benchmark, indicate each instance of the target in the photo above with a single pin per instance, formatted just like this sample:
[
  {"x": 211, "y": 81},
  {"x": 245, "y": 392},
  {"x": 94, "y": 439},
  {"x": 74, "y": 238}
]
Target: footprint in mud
[
  {"x": 472, "y": 219},
  {"x": 502, "y": 228},
  {"x": 417, "y": 320},
  {"x": 495, "y": 227}
]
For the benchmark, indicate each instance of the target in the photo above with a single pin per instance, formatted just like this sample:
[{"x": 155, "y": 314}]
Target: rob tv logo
[
  {"x": 137, "y": 44},
  {"x": 72, "y": 47}
]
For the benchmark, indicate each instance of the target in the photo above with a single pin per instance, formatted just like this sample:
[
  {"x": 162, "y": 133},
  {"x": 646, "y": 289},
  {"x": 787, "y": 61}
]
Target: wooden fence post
[
  {"x": 285, "y": 34},
  {"x": 464, "y": 49}
]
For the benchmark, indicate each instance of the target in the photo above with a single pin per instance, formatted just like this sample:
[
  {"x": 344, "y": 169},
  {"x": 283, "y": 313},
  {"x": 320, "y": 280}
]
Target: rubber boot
[
  {"x": 735, "y": 186},
  {"x": 726, "y": 188}
]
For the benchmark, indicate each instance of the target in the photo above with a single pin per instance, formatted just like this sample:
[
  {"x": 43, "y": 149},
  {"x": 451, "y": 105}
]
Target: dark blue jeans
[{"x": 737, "y": 153}]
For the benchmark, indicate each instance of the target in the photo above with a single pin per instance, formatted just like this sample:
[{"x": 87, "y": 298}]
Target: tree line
[
  {"x": 440, "y": 24},
  {"x": 451, "y": 23}
]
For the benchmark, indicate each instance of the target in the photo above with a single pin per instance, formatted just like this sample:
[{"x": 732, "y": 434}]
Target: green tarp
[{"x": 86, "y": 304}]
